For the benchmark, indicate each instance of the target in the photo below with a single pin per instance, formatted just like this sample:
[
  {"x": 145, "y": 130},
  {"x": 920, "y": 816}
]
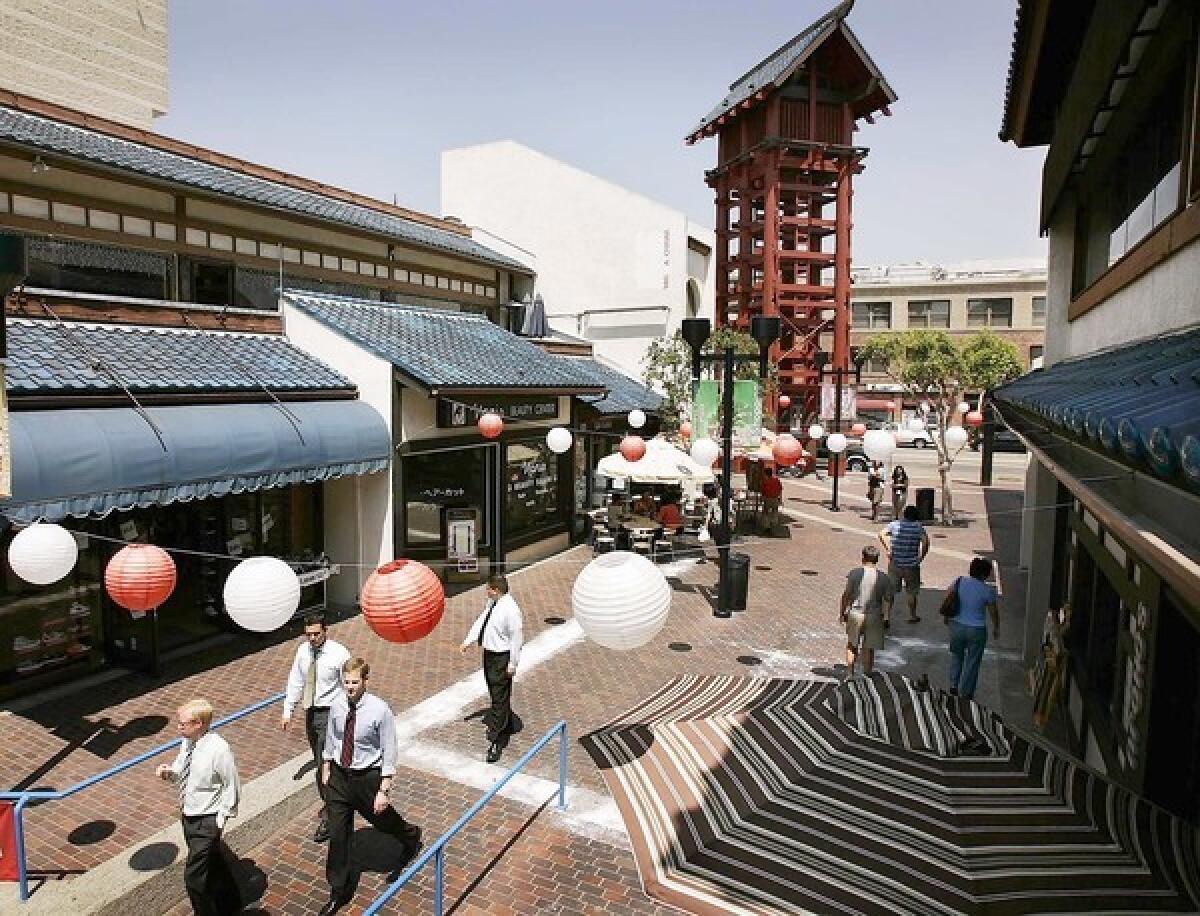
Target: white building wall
[
  {"x": 612, "y": 265},
  {"x": 105, "y": 57},
  {"x": 358, "y": 510}
]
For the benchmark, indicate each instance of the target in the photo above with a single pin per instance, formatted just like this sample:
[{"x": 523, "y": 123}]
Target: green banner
[
  {"x": 706, "y": 414},
  {"x": 747, "y": 414}
]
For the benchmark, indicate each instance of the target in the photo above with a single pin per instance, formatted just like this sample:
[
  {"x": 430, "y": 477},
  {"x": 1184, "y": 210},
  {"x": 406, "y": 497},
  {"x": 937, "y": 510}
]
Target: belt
[{"x": 358, "y": 771}]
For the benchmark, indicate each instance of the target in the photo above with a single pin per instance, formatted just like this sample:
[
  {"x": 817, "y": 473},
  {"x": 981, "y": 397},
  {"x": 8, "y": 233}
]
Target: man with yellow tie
[{"x": 315, "y": 682}]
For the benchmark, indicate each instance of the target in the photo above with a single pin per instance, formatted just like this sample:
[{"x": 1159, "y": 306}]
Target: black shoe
[
  {"x": 332, "y": 905},
  {"x": 321, "y": 834},
  {"x": 494, "y": 751}
]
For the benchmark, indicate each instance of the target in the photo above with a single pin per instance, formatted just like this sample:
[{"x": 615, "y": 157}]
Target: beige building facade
[{"x": 103, "y": 57}]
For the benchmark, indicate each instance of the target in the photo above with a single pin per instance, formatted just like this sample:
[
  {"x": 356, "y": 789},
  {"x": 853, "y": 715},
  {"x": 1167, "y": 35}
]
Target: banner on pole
[
  {"x": 706, "y": 413},
  {"x": 829, "y": 401},
  {"x": 747, "y": 414}
]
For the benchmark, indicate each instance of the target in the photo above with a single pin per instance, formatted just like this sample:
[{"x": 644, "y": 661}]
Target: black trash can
[
  {"x": 925, "y": 504},
  {"x": 738, "y": 582}
]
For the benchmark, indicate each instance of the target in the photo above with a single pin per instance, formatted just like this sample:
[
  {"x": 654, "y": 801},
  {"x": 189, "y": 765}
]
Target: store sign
[
  {"x": 314, "y": 576},
  {"x": 5, "y": 442},
  {"x": 829, "y": 401},
  {"x": 1135, "y": 686},
  {"x": 459, "y": 413}
]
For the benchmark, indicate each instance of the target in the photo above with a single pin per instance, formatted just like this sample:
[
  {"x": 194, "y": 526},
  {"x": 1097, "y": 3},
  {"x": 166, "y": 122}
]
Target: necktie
[
  {"x": 348, "y": 738},
  {"x": 183, "y": 774},
  {"x": 310, "y": 682},
  {"x": 487, "y": 619}
]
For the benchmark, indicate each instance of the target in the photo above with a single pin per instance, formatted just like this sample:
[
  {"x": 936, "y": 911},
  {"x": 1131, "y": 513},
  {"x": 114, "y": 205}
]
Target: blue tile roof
[
  {"x": 45, "y": 358},
  {"x": 624, "y": 393},
  {"x": 443, "y": 349},
  {"x": 50, "y": 136},
  {"x": 1139, "y": 403}
]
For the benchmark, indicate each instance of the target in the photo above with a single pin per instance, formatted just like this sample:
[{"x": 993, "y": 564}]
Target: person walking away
[
  {"x": 906, "y": 543},
  {"x": 875, "y": 488},
  {"x": 899, "y": 490},
  {"x": 206, "y": 777},
  {"x": 772, "y": 494},
  {"x": 977, "y": 600},
  {"x": 499, "y": 631},
  {"x": 866, "y": 610},
  {"x": 359, "y": 767},
  {"x": 314, "y": 682}
]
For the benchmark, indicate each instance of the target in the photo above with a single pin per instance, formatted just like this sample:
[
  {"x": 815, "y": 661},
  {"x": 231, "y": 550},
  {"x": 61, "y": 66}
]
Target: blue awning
[{"x": 90, "y": 461}]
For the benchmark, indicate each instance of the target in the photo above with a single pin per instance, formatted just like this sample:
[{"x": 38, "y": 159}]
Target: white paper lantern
[
  {"x": 963, "y": 408},
  {"x": 705, "y": 452},
  {"x": 878, "y": 444},
  {"x": 836, "y": 443},
  {"x": 637, "y": 419},
  {"x": 559, "y": 439},
  {"x": 956, "y": 438},
  {"x": 621, "y": 600},
  {"x": 816, "y": 431},
  {"x": 42, "y": 554},
  {"x": 262, "y": 594}
]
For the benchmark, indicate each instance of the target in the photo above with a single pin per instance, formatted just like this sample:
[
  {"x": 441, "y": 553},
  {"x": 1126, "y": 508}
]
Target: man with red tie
[{"x": 359, "y": 766}]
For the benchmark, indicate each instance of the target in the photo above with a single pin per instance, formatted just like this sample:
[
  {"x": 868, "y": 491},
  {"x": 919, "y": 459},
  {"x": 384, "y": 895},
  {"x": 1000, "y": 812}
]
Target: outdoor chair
[{"x": 604, "y": 543}]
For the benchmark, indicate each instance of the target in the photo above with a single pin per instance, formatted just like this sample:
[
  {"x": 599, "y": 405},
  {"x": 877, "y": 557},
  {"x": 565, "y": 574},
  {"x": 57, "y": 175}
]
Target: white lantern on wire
[
  {"x": 956, "y": 438},
  {"x": 964, "y": 408},
  {"x": 836, "y": 443},
  {"x": 636, "y": 418},
  {"x": 559, "y": 439},
  {"x": 621, "y": 600},
  {"x": 704, "y": 452},
  {"x": 878, "y": 444},
  {"x": 262, "y": 594},
  {"x": 43, "y": 553},
  {"x": 816, "y": 431}
]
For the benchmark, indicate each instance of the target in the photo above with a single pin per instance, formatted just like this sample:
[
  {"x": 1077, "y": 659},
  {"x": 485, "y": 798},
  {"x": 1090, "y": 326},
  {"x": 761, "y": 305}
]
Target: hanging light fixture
[
  {"x": 621, "y": 600},
  {"x": 559, "y": 439},
  {"x": 633, "y": 448},
  {"x": 705, "y": 451},
  {"x": 636, "y": 418},
  {"x": 786, "y": 450},
  {"x": 403, "y": 601},
  {"x": 836, "y": 443},
  {"x": 491, "y": 425},
  {"x": 42, "y": 554},
  {"x": 858, "y": 429},
  {"x": 262, "y": 594},
  {"x": 140, "y": 577},
  {"x": 784, "y": 402},
  {"x": 956, "y": 437},
  {"x": 879, "y": 444},
  {"x": 816, "y": 431},
  {"x": 974, "y": 418}
]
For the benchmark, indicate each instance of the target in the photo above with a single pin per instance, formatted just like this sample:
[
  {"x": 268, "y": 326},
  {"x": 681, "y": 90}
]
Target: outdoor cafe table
[{"x": 639, "y": 524}]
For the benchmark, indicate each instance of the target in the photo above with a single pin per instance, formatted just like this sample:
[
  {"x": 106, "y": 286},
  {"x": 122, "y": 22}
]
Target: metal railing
[
  {"x": 24, "y": 798},
  {"x": 438, "y": 850}
]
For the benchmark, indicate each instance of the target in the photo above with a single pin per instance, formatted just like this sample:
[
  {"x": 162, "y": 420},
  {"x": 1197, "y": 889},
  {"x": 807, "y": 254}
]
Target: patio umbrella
[
  {"x": 763, "y": 795},
  {"x": 535, "y": 319},
  {"x": 662, "y": 463}
]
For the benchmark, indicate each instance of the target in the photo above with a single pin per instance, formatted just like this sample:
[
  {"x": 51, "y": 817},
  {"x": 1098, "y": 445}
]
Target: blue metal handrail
[
  {"x": 23, "y": 798},
  {"x": 438, "y": 850}
]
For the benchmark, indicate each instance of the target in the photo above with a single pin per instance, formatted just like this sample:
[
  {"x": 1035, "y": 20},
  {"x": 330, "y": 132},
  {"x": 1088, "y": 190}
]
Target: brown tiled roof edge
[{"x": 77, "y": 118}]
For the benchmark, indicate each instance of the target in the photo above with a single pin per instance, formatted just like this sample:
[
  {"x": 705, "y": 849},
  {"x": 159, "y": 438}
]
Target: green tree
[{"x": 933, "y": 367}]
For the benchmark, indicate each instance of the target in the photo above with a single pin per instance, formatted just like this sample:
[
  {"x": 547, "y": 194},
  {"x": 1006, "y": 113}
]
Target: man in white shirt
[
  {"x": 314, "y": 683},
  {"x": 499, "y": 632},
  {"x": 207, "y": 779}
]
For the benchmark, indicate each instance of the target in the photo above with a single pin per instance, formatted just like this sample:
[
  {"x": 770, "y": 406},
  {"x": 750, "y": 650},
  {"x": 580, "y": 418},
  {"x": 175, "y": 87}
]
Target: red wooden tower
[{"x": 785, "y": 160}]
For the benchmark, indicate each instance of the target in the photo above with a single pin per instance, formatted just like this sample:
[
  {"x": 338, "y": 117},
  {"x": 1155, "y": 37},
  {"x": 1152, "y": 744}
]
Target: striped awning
[{"x": 766, "y": 796}]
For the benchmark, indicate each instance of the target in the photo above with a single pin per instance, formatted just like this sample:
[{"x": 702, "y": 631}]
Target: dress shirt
[
  {"x": 329, "y": 674},
  {"x": 212, "y": 784},
  {"x": 374, "y": 734},
  {"x": 505, "y": 632}
]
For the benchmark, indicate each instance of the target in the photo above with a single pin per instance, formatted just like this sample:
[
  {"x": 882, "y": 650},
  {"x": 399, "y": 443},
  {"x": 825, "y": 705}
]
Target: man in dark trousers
[
  {"x": 499, "y": 632},
  {"x": 359, "y": 766},
  {"x": 206, "y": 778}
]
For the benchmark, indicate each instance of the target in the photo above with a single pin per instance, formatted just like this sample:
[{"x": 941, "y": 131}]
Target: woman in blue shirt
[{"x": 968, "y": 628}]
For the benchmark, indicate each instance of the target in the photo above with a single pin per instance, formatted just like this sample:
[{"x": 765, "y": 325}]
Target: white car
[{"x": 917, "y": 438}]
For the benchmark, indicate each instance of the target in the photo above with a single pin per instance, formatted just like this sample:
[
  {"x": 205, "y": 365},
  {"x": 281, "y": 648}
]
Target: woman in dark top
[
  {"x": 899, "y": 490},
  {"x": 875, "y": 488}
]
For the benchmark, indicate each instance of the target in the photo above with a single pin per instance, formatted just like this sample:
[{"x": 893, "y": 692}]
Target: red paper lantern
[
  {"x": 685, "y": 429},
  {"x": 633, "y": 448},
  {"x": 786, "y": 450},
  {"x": 974, "y": 418},
  {"x": 859, "y": 429},
  {"x": 491, "y": 425},
  {"x": 784, "y": 402},
  {"x": 140, "y": 577},
  {"x": 403, "y": 601}
]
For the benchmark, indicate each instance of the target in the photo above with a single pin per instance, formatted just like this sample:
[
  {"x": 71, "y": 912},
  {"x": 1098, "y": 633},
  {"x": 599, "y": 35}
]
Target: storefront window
[
  {"x": 531, "y": 489},
  {"x": 448, "y": 479},
  {"x": 89, "y": 267}
]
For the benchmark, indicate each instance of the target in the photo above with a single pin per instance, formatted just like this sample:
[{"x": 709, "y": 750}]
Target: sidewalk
[{"x": 566, "y": 864}]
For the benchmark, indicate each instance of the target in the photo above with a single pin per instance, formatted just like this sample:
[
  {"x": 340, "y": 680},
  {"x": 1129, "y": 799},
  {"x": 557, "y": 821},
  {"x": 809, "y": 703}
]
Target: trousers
[
  {"x": 499, "y": 684},
  {"x": 206, "y": 874},
  {"x": 966, "y": 653},
  {"x": 316, "y": 720},
  {"x": 349, "y": 791}
]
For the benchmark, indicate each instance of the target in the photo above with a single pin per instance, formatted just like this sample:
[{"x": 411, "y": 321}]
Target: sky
[{"x": 365, "y": 94}]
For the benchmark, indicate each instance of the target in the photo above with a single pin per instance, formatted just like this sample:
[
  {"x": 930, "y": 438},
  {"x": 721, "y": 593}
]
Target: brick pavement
[{"x": 789, "y": 628}]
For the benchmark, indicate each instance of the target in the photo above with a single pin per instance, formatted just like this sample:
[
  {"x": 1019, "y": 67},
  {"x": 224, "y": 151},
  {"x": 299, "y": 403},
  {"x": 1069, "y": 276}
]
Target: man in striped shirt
[{"x": 906, "y": 544}]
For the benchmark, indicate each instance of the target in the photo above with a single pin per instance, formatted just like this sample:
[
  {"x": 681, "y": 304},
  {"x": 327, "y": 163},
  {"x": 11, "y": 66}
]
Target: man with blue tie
[
  {"x": 498, "y": 630},
  {"x": 358, "y": 768}
]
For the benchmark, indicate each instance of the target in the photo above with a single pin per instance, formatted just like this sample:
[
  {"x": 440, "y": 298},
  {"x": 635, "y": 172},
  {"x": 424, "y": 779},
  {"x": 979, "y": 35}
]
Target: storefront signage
[
  {"x": 5, "y": 442},
  {"x": 313, "y": 576},
  {"x": 462, "y": 412},
  {"x": 1135, "y": 687}
]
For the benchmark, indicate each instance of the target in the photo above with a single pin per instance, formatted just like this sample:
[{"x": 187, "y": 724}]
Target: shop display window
[
  {"x": 434, "y": 481},
  {"x": 531, "y": 489}
]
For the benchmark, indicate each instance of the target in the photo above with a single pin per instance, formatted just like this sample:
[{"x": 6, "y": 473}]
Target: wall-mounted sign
[{"x": 458, "y": 413}]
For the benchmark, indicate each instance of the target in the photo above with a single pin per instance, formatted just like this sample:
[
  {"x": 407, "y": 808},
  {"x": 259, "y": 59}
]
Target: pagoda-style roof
[{"x": 771, "y": 73}]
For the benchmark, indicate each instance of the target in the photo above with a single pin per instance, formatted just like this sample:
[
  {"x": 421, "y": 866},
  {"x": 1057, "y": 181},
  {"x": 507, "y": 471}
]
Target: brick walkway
[{"x": 789, "y": 629}]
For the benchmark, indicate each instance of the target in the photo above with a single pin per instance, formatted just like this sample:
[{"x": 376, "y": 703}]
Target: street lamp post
[
  {"x": 838, "y": 373},
  {"x": 765, "y": 330}
]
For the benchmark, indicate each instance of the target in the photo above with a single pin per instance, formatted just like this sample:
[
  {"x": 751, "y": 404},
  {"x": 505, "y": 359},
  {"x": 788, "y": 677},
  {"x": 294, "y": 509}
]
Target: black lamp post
[
  {"x": 764, "y": 330},
  {"x": 820, "y": 362}
]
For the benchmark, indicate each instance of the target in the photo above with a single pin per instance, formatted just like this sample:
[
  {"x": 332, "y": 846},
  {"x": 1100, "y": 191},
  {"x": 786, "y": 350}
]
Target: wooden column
[{"x": 841, "y": 269}]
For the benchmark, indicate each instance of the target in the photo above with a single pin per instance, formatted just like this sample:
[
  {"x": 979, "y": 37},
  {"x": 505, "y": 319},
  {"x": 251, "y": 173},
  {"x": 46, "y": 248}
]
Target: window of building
[
  {"x": 875, "y": 366},
  {"x": 989, "y": 313},
  {"x": 929, "y": 313},
  {"x": 206, "y": 282},
  {"x": 1038, "y": 319},
  {"x": 1035, "y": 352},
  {"x": 531, "y": 492},
  {"x": 871, "y": 315},
  {"x": 88, "y": 267},
  {"x": 256, "y": 289},
  {"x": 435, "y": 481}
]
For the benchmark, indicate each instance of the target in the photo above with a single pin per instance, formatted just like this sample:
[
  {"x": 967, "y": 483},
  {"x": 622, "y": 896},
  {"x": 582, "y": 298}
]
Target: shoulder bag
[{"x": 950, "y": 603}]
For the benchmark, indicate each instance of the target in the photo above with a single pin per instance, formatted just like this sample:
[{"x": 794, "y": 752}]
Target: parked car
[
  {"x": 856, "y": 458},
  {"x": 917, "y": 438},
  {"x": 1003, "y": 440}
]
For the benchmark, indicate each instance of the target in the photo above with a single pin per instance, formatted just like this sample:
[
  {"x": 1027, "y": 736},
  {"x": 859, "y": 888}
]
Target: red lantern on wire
[
  {"x": 974, "y": 418},
  {"x": 491, "y": 425},
  {"x": 403, "y": 601},
  {"x": 633, "y": 448},
  {"x": 859, "y": 429},
  {"x": 140, "y": 577},
  {"x": 787, "y": 450},
  {"x": 685, "y": 429},
  {"x": 784, "y": 402}
]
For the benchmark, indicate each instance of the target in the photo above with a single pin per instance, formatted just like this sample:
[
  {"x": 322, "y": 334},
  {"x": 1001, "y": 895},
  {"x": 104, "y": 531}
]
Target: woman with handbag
[{"x": 968, "y": 603}]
